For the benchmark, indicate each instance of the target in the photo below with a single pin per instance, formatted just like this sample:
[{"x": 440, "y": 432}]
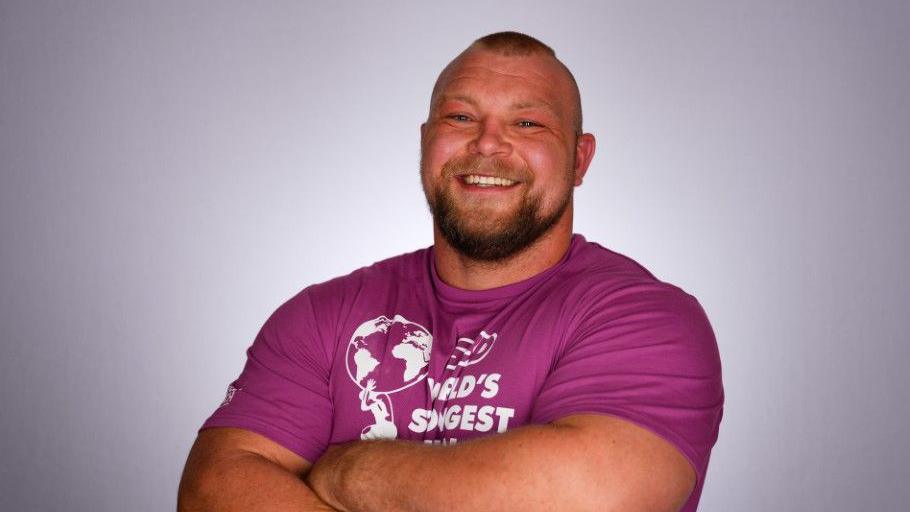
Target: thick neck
[{"x": 460, "y": 271}]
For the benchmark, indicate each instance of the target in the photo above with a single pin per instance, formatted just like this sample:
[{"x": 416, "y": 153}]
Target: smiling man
[{"x": 513, "y": 365}]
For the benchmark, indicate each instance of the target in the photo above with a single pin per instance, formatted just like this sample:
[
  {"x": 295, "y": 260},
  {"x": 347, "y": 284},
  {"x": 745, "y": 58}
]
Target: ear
[
  {"x": 423, "y": 131},
  {"x": 584, "y": 153}
]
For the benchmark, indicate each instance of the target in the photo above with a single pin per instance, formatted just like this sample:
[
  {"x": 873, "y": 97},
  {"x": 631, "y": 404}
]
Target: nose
[{"x": 490, "y": 140}]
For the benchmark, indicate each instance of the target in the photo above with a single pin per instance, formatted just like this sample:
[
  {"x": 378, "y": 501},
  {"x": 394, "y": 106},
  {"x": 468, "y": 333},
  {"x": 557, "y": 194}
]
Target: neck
[{"x": 461, "y": 271}]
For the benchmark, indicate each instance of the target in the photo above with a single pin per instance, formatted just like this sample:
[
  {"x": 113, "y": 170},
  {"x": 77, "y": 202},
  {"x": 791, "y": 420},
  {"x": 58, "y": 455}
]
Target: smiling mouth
[{"x": 487, "y": 181}]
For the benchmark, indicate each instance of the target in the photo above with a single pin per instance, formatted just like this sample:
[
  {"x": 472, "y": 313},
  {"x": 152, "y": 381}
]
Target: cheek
[
  {"x": 444, "y": 145},
  {"x": 439, "y": 149},
  {"x": 547, "y": 161}
]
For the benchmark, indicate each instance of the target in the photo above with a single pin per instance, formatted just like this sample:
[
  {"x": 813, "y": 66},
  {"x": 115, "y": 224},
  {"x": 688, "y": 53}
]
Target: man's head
[{"x": 502, "y": 146}]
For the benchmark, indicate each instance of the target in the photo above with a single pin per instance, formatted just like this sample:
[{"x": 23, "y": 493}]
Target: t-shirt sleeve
[
  {"x": 646, "y": 354},
  {"x": 283, "y": 391}
]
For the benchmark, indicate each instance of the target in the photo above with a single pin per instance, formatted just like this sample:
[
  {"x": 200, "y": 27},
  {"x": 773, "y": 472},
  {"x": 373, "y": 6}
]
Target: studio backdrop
[{"x": 173, "y": 171}]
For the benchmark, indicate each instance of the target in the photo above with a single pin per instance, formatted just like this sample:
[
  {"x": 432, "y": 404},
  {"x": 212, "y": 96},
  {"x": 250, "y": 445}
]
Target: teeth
[{"x": 487, "y": 181}]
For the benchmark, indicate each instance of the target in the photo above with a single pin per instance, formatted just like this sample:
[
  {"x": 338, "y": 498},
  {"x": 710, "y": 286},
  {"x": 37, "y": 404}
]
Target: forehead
[{"x": 483, "y": 74}]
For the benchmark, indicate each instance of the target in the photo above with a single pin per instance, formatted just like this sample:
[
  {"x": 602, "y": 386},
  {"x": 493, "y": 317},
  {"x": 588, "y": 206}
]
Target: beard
[{"x": 484, "y": 237}]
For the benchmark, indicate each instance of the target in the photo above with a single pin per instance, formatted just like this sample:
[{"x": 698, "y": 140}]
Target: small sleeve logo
[{"x": 229, "y": 395}]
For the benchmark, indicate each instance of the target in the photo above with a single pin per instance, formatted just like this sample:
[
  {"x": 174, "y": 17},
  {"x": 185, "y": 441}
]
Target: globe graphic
[{"x": 394, "y": 353}]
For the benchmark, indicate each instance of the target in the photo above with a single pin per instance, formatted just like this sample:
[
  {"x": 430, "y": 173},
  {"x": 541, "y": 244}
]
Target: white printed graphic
[
  {"x": 372, "y": 402},
  {"x": 465, "y": 387},
  {"x": 468, "y": 351},
  {"x": 229, "y": 395},
  {"x": 366, "y": 359}
]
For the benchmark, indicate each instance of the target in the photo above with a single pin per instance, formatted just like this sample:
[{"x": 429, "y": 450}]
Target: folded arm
[
  {"x": 235, "y": 469},
  {"x": 582, "y": 462}
]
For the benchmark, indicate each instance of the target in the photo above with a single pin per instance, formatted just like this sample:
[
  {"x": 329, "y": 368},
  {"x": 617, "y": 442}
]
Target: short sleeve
[
  {"x": 646, "y": 354},
  {"x": 283, "y": 391}
]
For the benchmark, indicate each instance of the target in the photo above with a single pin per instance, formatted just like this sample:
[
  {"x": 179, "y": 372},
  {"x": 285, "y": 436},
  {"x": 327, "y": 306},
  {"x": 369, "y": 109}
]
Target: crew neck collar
[{"x": 449, "y": 293}]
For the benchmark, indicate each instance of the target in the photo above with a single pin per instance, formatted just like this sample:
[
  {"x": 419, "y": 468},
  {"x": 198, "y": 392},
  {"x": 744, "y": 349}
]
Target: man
[{"x": 513, "y": 365}]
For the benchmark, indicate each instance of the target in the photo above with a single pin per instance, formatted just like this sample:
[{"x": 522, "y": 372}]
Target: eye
[
  {"x": 458, "y": 117},
  {"x": 526, "y": 123}
]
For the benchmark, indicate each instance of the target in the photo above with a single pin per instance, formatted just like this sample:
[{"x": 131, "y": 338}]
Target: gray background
[{"x": 173, "y": 171}]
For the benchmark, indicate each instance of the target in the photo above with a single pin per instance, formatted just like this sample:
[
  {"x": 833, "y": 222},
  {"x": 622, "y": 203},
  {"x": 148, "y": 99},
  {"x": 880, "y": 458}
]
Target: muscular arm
[
  {"x": 582, "y": 462},
  {"x": 231, "y": 469}
]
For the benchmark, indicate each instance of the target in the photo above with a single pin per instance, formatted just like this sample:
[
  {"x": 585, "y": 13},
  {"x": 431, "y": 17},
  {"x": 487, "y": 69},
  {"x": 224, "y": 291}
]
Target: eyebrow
[
  {"x": 518, "y": 105},
  {"x": 457, "y": 97},
  {"x": 522, "y": 105}
]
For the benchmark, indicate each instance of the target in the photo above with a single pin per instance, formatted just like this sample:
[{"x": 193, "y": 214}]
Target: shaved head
[
  {"x": 502, "y": 148},
  {"x": 515, "y": 44}
]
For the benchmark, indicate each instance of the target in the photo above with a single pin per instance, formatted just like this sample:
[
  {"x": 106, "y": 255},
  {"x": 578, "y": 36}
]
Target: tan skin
[
  {"x": 231, "y": 469},
  {"x": 511, "y": 109},
  {"x": 492, "y": 106}
]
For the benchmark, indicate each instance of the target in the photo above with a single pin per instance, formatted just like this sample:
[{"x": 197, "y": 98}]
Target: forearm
[
  {"x": 520, "y": 470},
  {"x": 246, "y": 483},
  {"x": 578, "y": 463}
]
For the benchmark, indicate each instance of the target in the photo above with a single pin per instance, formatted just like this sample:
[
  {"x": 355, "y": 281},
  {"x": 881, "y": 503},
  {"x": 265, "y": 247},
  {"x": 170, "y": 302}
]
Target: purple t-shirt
[{"x": 391, "y": 351}]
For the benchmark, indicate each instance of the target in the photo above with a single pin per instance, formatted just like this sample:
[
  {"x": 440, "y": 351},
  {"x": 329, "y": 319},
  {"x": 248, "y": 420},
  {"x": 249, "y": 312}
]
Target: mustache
[{"x": 473, "y": 164}]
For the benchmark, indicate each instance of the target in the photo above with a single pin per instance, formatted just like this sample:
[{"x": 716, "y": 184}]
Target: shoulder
[
  {"x": 326, "y": 296},
  {"x": 615, "y": 294},
  {"x": 601, "y": 268},
  {"x": 605, "y": 277},
  {"x": 318, "y": 310}
]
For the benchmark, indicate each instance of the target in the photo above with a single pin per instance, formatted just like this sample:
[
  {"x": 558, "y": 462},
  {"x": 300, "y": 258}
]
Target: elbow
[
  {"x": 201, "y": 490},
  {"x": 619, "y": 466},
  {"x": 199, "y": 486},
  {"x": 190, "y": 494},
  {"x": 595, "y": 494},
  {"x": 637, "y": 495}
]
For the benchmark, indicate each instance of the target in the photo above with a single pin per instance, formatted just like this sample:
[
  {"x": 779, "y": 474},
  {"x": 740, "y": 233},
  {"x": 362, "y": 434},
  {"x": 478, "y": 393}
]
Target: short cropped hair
[{"x": 511, "y": 43}]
